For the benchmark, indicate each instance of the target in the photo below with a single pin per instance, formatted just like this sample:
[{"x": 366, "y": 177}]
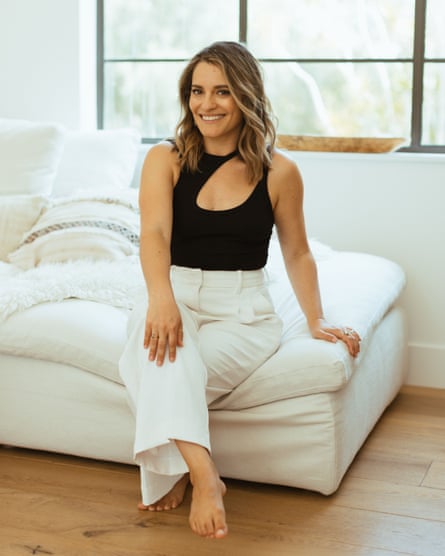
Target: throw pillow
[
  {"x": 85, "y": 226},
  {"x": 30, "y": 154},
  {"x": 97, "y": 160},
  {"x": 18, "y": 213}
]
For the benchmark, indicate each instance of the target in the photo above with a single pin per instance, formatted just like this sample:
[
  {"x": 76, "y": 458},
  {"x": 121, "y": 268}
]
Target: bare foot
[
  {"x": 207, "y": 514},
  {"x": 171, "y": 500}
]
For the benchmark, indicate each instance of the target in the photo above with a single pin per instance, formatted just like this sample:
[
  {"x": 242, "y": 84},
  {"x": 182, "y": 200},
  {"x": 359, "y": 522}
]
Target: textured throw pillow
[
  {"x": 85, "y": 226},
  {"x": 18, "y": 214},
  {"x": 97, "y": 160},
  {"x": 30, "y": 153}
]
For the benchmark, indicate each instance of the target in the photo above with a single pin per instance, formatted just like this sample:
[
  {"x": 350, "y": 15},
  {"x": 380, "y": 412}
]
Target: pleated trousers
[{"x": 230, "y": 329}]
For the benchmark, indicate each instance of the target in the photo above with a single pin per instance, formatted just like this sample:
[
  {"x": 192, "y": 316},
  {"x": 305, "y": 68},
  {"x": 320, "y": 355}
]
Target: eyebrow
[{"x": 215, "y": 87}]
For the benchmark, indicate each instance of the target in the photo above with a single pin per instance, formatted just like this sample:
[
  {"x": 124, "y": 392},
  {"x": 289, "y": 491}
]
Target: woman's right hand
[{"x": 163, "y": 330}]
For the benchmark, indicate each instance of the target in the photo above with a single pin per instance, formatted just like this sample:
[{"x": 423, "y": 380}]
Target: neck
[{"x": 218, "y": 148}]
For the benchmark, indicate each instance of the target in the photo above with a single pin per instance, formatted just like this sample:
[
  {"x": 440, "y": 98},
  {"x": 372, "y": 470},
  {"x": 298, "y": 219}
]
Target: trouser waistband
[{"x": 219, "y": 278}]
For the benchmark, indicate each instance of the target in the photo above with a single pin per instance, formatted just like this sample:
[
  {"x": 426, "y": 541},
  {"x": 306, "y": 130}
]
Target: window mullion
[
  {"x": 100, "y": 68},
  {"x": 242, "y": 21},
  {"x": 418, "y": 71}
]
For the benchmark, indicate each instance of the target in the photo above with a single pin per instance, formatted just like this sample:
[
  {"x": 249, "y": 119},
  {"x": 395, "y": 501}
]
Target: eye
[
  {"x": 224, "y": 92},
  {"x": 195, "y": 91}
]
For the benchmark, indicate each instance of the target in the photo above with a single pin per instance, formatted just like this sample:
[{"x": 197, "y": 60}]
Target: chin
[{"x": 211, "y": 134}]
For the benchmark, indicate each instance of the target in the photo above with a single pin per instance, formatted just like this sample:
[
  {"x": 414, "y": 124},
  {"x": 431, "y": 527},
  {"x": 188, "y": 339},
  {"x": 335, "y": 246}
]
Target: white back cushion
[
  {"x": 29, "y": 156},
  {"x": 97, "y": 160}
]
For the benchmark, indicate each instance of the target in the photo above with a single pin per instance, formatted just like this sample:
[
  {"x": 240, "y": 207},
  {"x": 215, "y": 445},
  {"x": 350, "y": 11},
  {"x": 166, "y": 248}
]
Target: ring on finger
[
  {"x": 348, "y": 332},
  {"x": 154, "y": 336}
]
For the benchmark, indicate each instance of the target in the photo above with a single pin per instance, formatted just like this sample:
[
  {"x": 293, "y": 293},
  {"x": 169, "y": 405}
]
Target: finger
[
  {"x": 349, "y": 337},
  {"x": 354, "y": 349},
  {"x": 147, "y": 336},
  {"x": 353, "y": 337},
  {"x": 175, "y": 340},
  {"x": 160, "y": 353},
  {"x": 180, "y": 341},
  {"x": 352, "y": 343},
  {"x": 357, "y": 347},
  {"x": 153, "y": 346},
  {"x": 172, "y": 343}
]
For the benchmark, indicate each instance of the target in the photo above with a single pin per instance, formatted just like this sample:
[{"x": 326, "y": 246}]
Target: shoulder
[
  {"x": 284, "y": 176},
  {"x": 164, "y": 151},
  {"x": 283, "y": 166},
  {"x": 162, "y": 158}
]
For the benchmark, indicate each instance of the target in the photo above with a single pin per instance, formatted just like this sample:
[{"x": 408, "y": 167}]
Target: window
[{"x": 338, "y": 67}]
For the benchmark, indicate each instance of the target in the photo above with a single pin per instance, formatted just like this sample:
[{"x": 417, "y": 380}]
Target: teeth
[{"x": 211, "y": 118}]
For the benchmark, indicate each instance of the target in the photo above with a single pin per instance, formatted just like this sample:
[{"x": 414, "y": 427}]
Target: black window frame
[{"x": 418, "y": 61}]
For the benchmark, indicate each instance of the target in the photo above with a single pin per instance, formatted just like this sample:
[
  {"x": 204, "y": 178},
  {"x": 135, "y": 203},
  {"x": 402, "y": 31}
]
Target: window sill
[{"x": 392, "y": 157}]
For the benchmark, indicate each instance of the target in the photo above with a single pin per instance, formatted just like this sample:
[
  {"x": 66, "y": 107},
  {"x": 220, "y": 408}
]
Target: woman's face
[{"x": 214, "y": 109}]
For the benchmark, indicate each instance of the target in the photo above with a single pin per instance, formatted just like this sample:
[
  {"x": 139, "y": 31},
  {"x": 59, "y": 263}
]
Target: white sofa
[{"x": 298, "y": 420}]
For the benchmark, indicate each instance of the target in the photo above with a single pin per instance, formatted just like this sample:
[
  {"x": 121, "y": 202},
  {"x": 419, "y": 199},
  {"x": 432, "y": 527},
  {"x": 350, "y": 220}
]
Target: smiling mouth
[{"x": 211, "y": 118}]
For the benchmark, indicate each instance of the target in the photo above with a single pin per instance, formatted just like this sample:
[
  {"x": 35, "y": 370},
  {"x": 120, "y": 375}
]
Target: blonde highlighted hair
[{"x": 245, "y": 82}]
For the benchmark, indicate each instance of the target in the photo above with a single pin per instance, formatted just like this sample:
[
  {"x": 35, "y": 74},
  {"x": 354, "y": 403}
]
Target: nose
[{"x": 208, "y": 101}]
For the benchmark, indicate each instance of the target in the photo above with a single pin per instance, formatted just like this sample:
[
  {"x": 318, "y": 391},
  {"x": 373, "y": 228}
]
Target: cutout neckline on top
[{"x": 219, "y": 161}]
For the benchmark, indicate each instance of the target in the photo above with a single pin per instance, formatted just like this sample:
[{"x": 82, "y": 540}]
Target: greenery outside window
[{"x": 370, "y": 68}]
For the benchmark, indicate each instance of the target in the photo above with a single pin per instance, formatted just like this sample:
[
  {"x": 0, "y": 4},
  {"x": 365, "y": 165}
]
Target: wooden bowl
[{"x": 339, "y": 144}]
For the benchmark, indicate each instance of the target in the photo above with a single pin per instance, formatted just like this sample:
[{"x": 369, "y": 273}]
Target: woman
[{"x": 208, "y": 203}]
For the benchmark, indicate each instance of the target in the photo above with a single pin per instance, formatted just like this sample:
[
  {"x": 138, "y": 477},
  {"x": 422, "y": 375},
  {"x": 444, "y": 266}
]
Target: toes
[
  {"x": 200, "y": 529},
  {"x": 208, "y": 530},
  {"x": 221, "y": 533},
  {"x": 220, "y": 527},
  {"x": 155, "y": 507}
]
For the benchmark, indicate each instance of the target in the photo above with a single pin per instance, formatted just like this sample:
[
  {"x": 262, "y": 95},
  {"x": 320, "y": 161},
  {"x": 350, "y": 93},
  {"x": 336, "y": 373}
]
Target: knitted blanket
[{"x": 113, "y": 282}]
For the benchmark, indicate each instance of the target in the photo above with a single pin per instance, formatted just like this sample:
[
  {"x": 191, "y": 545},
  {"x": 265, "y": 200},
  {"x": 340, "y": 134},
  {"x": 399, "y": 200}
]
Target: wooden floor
[{"x": 391, "y": 502}]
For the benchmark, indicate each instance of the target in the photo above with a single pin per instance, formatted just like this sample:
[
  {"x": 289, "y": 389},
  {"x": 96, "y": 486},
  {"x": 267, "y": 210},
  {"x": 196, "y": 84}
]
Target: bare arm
[
  {"x": 286, "y": 187},
  {"x": 163, "y": 328}
]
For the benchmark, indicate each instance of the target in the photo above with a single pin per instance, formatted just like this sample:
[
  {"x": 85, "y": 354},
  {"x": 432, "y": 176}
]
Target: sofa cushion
[
  {"x": 97, "y": 160},
  {"x": 84, "y": 226},
  {"x": 357, "y": 290},
  {"x": 74, "y": 313},
  {"x": 30, "y": 154},
  {"x": 18, "y": 213},
  {"x": 81, "y": 333}
]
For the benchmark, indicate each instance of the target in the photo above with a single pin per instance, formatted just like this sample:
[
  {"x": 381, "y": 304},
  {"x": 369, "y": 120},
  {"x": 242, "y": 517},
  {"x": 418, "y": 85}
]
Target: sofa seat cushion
[
  {"x": 81, "y": 333},
  {"x": 357, "y": 290}
]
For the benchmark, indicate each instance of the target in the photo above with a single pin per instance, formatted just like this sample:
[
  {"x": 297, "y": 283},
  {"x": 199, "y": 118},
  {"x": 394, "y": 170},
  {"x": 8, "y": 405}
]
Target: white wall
[
  {"x": 390, "y": 205},
  {"x": 48, "y": 60}
]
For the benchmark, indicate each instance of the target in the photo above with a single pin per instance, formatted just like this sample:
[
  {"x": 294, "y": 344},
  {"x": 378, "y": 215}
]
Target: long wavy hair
[{"x": 245, "y": 82}]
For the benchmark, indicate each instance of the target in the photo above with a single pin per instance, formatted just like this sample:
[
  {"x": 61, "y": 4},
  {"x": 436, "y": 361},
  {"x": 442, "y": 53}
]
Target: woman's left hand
[{"x": 324, "y": 331}]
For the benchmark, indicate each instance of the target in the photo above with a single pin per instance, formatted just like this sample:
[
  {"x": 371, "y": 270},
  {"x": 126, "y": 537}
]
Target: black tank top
[{"x": 232, "y": 239}]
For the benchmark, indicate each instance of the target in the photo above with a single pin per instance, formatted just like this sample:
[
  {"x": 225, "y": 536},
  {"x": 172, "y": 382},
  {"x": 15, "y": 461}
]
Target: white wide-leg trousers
[{"x": 230, "y": 329}]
